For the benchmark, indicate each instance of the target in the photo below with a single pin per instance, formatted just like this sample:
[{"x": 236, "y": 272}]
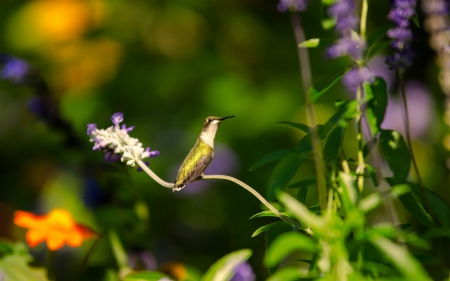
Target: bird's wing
[{"x": 200, "y": 166}]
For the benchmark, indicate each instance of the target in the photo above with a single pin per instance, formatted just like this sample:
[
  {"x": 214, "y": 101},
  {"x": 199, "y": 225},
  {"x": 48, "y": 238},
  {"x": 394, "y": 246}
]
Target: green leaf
[
  {"x": 396, "y": 153},
  {"x": 267, "y": 213},
  {"x": 223, "y": 269},
  {"x": 303, "y": 183},
  {"x": 324, "y": 83},
  {"x": 377, "y": 102},
  {"x": 412, "y": 204},
  {"x": 415, "y": 19},
  {"x": 370, "y": 202},
  {"x": 369, "y": 146},
  {"x": 349, "y": 192},
  {"x": 262, "y": 229},
  {"x": 345, "y": 112},
  {"x": 440, "y": 207},
  {"x": 286, "y": 244},
  {"x": 327, "y": 22},
  {"x": 301, "y": 212},
  {"x": 300, "y": 126},
  {"x": 378, "y": 33},
  {"x": 15, "y": 266},
  {"x": 437, "y": 233},
  {"x": 376, "y": 48},
  {"x": 271, "y": 157},
  {"x": 400, "y": 258},
  {"x": 276, "y": 229},
  {"x": 333, "y": 143},
  {"x": 283, "y": 173},
  {"x": 146, "y": 276},
  {"x": 286, "y": 274},
  {"x": 316, "y": 43}
]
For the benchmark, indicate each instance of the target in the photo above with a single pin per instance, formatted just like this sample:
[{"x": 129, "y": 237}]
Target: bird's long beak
[{"x": 223, "y": 118}]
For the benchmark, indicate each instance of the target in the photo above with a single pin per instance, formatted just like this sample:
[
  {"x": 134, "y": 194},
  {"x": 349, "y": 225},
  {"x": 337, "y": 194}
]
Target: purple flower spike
[
  {"x": 153, "y": 154},
  {"x": 243, "y": 272},
  {"x": 345, "y": 46},
  {"x": 110, "y": 156},
  {"x": 292, "y": 5},
  {"x": 117, "y": 118},
  {"x": 91, "y": 128},
  {"x": 357, "y": 77},
  {"x": 401, "y": 13},
  {"x": 15, "y": 70}
]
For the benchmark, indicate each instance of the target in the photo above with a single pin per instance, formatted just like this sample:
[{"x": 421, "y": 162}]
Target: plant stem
[
  {"x": 305, "y": 71},
  {"x": 401, "y": 82},
  {"x": 363, "y": 22},
  {"x": 359, "y": 137},
  {"x": 119, "y": 254},
  {"x": 49, "y": 259},
  {"x": 255, "y": 193},
  {"x": 223, "y": 177},
  {"x": 86, "y": 257}
]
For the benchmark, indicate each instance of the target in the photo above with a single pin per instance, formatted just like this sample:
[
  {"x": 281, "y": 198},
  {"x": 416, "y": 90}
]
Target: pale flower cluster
[{"x": 115, "y": 142}]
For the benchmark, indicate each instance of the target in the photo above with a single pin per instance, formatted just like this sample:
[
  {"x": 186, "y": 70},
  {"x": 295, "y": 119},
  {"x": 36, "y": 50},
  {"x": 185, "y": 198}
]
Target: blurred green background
[{"x": 167, "y": 65}]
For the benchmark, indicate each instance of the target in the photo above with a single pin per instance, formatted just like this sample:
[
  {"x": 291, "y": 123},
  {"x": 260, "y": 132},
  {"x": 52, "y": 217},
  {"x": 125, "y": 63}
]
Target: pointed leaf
[
  {"x": 369, "y": 146},
  {"x": 283, "y": 174},
  {"x": 377, "y": 103},
  {"x": 376, "y": 48},
  {"x": 400, "y": 258},
  {"x": 396, "y": 152},
  {"x": 271, "y": 157},
  {"x": 316, "y": 43},
  {"x": 223, "y": 269},
  {"x": 266, "y": 213},
  {"x": 324, "y": 83},
  {"x": 286, "y": 244},
  {"x": 333, "y": 143},
  {"x": 416, "y": 19},
  {"x": 378, "y": 33},
  {"x": 286, "y": 274},
  {"x": 300, "y": 126},
  {"x": 349, "y": 192},
  {"x": 146, "y": 276},
  {"x": 303, "y": 183},
  {"x": 301, "y": 212},
  {"x": 262, "y": 229}
]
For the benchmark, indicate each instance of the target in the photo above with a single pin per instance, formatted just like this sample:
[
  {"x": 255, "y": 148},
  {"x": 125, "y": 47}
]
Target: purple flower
[
  {"x": 14, "y": 70},
  {"x": 292, "y": 5},
  {"x": 129, "y": 129},
  {"x": 402, "y": 11},
  {"x": 357, "y": 77},
  {"x": 117, "y": 118},
  {"x": 142, "y": 260},
  {"x": 243, "y": 272},
  {"x": 110, "y": 156},
  {"x": 344, "y": 11},
  {"x": 91, "y": 128},
  {"x": 344, "y": 46}
]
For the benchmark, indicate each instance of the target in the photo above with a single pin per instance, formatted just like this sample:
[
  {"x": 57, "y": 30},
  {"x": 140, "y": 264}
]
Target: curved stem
[
  {"x": 255, "y": 193},
  {"x": 363, "y": 23},
  {"x": 154, "y": 176},
  {"x": 222, "y": 177}
]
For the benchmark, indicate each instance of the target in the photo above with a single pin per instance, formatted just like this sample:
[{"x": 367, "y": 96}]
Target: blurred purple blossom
[
  {"x": 435, "y": 7},
  {"x": 401, "y": 13},
  {"x": 292, "y": 5},
  {"x": 14, "y": 69},
  {"x": 243, "y": 272},
  {"x": 110, "y": 156},
  {"x": 344, "y": 11},
  {"x": 357, "y": 77},
  {"x": 420, "y": 106},
  {"x": 344, "y": 46},
  {"x": 142, "y": 260}
]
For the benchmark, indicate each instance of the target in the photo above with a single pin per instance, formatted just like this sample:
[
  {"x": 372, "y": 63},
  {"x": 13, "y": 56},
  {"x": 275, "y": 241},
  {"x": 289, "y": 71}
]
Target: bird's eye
[{"x": 210, "y": 120}]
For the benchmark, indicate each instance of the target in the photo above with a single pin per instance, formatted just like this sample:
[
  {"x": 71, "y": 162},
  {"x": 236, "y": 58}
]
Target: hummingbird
[{"x": 200, "y": 155}]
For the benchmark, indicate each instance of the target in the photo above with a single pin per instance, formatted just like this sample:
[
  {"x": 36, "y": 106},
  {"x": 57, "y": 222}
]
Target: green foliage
[
  {"x": 222, "y": 270},
  {"x": 15, "y": 264},
  {"x": 396, "y": 152},
  {"x": 324, "y": 83},
  {"x": 377, "y": 98},
  {"x": 146, "y": 276}
]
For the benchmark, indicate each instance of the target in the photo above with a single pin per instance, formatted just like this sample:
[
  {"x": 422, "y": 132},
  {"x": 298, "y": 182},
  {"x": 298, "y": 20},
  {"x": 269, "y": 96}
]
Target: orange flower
[{"x": 56, "y": 228}]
